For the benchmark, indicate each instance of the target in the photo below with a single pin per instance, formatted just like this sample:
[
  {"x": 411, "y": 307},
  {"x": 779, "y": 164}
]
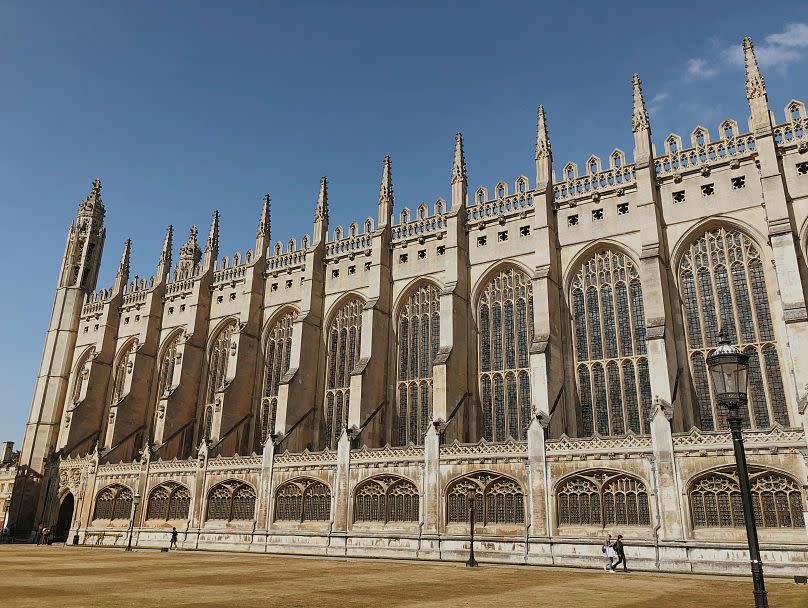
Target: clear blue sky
[{"x": 185, "y": 107}]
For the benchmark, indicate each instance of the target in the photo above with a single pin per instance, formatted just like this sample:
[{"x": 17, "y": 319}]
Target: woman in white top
[{"x": 610, "y": 554}]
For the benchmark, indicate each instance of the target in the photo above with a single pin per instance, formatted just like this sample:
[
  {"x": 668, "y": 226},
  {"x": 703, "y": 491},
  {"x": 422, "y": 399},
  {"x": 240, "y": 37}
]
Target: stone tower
[{"x": 78, "y": 276}]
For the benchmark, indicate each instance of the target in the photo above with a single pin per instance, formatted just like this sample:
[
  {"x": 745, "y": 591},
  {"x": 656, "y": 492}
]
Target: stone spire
[
  {"x": 212, "y": 245},
  {"x": 639, "y": 117},
  {"x": 386, "y": 193},
  {"x": 755, "y": 85},
  {"x": 640, "y": 124},
  {"x": 164, "y": 263},
  {"x": 544, "y": 152},
  {"x": 190, "y": 255},
  {"x": 459, "y": 176},
  {"x": 122, "y": 276},
  {"x": 92, "y": 206},
  {"x": 321, "y": 212},
  {"x": 264, "y": 228}
]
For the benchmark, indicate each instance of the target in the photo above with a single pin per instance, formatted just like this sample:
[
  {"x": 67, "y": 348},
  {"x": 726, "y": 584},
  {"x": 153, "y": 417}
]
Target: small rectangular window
[
  {"x": 739, "y": 182},
  {"x": 170, "y": 311},
  {"x": 708, "y": 189},
  {"x": 289, "y": 282},
  {"x": 351, "y": 269},
  {"x": 441, "y": 249},
  {"x": 802, "y": 168},
  {"x": 126, "y": 321},
  {"x": 182, "y": 307},
  {"x": 367, "y": 266},
  {"x": 622, "y": 209},
  {"x": 502, "y": 236},
  {"x": 274, "y": 287},
  {"x": 524, "y": 231},
  {"x": 233, "y": 296},
  {"x": 402, "y": 259},
  {"x": 679, "y": 196},
  {"x": 335, "y": 273},
  {"x": 481, "y": 241},
  {"x": 572, "y": 220},
  {"x": 597, "y": 214},
  {"x": 422, "y": 254}
]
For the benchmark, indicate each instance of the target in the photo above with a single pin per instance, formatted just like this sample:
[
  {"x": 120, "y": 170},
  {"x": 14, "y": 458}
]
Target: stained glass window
[
  {"x": 277, "y": 356},
  {"x": 722, "y": 285},
  {"x": 231, "y": 500},
  {"x": 344, "y": 343},
  {"x": 221, "y": 350},
  {"x": 113, "y": 502},
  {"x": 386, "y": 499},
  {"x": 505, "y": 312},
  {"x": 609, "y": 325},
  {"x": 303, "y": 499},
  {"x": 715, "y": 500},
  {"x": 602, "y": 498},
  {"x": 168, "y": 501},
  {"x": 497, "y": 499},
  {"x": 418, "y": 341},
  {"x": 121, "y": 369}
]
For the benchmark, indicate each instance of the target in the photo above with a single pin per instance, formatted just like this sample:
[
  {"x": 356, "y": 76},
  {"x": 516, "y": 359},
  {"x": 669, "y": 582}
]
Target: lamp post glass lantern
[
  {"x": 729, "y": 372},
  {"x": 472, "y": 495},
  {"x": 135, "y": 501}
]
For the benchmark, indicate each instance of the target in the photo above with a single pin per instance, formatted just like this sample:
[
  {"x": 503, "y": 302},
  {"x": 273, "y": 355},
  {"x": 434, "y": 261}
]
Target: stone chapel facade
[{"x": 540, "y": 345}]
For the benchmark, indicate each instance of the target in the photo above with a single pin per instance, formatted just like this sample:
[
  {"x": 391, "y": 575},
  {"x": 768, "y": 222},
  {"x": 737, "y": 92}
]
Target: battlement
[
  {"x": 422, "y": 223},
  {"x": 502, "y": 203},
  {"x": 596, "y": 179}
]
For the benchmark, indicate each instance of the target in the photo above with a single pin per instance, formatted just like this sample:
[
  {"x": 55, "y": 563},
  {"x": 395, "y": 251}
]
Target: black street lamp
[
  {"x": 135, "y": 501},
  {"x": 728, "y": 369},
  {"x": 471, "y": 562}
]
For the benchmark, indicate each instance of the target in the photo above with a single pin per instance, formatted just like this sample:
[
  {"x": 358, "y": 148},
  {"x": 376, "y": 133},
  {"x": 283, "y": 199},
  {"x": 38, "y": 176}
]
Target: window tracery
[
  {"x": 81, "y": 375},
  {"x": 608, "y": 322},
  {"x": 121, "y": 368},
  {"x": 498, "y": 499},
  {"x": 386, "y": 499},
  {"x": 722, "y": 285},
  {"x": 168, "y": 501},
  {"x": 113, "y": 502},
  {"x": 167, "y": 364},
  {"x": 418, "y": 343},
  {"x": 602, "y": 498},
  {"x": 344, "y": 338},
  {"x": 221, "y": 349},
  {"x": 277, "y": 357},
  {"x": 505, "y": 316},
  {"x": 231, "y": 500},
  {"x": 303, "y": 499},
  {"x": 715, "y": 500}
]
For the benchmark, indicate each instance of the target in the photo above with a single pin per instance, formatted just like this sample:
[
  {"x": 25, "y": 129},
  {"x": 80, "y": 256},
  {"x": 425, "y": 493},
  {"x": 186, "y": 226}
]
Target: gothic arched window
[
  {"x": 344, "y": 337},
  {"x": 303, "y": 499},
  {"x": 608, "y": 323},
  {"x": 167, "y": 363},
  {"x": 220, "y": 352},
  {"x": 505, "y": 317},
  {"x": 276, "y": 363},
  {"x": 231, "y": 500},
  {"x": 82, "y": 372},
  {"x": 497, "y": 499},
  {"x": 121, "y": 369},
  {"x": 168, "y": 501},
  {"x": 715, "y": 500},
  {"x": 113, "y": 502},
  {"x": 386, "y": 498},
  {"x": 602, "y": 498},
  {"x": 722, "y": 285},
  {"x": 418, "y": 343}
]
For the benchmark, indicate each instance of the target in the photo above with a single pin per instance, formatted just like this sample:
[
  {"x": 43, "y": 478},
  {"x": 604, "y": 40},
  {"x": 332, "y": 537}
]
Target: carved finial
[
  {"x": 123, "y": 267},
  {"x": 93, "y": 205},
  {"x": 168, "y": 245},
  {"x": 639, "y": 117},
  {"x": 265, "y": 223},
  {"x": 213, "y": 233},
  {"x": 543, "y": 149},
  {"x": 386, "y": 189},
  {"x": 755, "y": 85},
  {"x": 190, "y": 253},
  {"x": 459, "y": 164},
  {"x": 321, "y": 213}
]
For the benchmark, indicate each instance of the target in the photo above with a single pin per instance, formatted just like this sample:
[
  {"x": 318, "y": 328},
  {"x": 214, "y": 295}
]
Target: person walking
[
  {"x": 609, "y": 553},
  {"x": 173, "y": 539},
  {"x": 620, "y": 550}
]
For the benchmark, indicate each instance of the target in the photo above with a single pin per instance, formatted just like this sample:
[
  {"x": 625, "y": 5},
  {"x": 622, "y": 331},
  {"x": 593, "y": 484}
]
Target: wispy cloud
[
  {"x": 699, "y": 68},
  {"x": 656, "y": 102},
  {"x": 777, "y": 50}
]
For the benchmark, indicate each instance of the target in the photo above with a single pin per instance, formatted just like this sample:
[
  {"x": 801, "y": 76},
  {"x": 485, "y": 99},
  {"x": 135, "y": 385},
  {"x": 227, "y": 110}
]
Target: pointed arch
[
  {"x": 80, "y": 373},
  {"x": 720, "y": 270},
  {"x": 113, "y": 502},
  {"x": 168, "y": 501},
  {"x": 277, "y": 344},
  {"x": 608, "y": 327},
  {"x": 231, "y": 500},
  {"x": 302, "y": 499},
  {"x": 504, "y": 313},
  {"x": 120, "y": 369},
  {"x": 417, "y": 329},
  {"x": 386, "y": 498},
  {"x": 602, "y": 497},
  {"x": 343, "y": 346},
  {"x": 498, "y": 499},
  {"x": 220, "y": 350}
]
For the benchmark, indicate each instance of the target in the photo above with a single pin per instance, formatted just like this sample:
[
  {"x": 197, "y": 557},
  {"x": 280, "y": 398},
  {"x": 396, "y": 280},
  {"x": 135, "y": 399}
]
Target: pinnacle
[
  {"x": 543, "y": 148},
  {"x": 459, "y": 164}
]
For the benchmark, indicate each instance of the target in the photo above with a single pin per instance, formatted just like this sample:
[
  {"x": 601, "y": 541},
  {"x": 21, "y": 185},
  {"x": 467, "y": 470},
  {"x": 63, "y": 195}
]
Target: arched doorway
[{"x": 62, "y": 528}]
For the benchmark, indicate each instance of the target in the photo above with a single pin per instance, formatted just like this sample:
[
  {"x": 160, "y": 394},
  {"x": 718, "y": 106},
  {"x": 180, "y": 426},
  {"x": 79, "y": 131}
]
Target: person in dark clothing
[
  {"x": 620, "y": 549},
  {"x": 173, "y": 538}
]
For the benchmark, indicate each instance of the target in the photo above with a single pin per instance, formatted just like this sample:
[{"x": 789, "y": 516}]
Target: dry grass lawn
[{"x": 80, "y": 577}]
